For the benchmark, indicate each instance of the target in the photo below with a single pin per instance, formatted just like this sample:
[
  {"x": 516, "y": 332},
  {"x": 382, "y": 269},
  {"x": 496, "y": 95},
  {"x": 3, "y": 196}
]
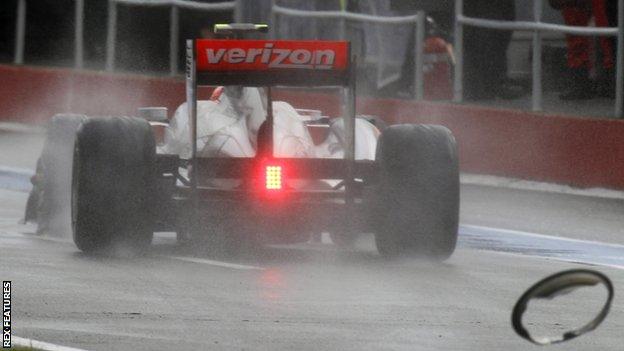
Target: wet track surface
[
  {"x": 315, "y": 296},
  {"x": 530, "y": 244},
  {"x": 308, "y": 296}
]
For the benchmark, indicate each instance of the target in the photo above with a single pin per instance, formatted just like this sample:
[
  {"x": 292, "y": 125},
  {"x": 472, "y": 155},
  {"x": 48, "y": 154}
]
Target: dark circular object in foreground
[{"x": 561, "y": 283}]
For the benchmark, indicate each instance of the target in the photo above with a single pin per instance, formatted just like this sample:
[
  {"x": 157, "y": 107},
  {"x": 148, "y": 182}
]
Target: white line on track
[
  {"x": 40, "y": 345},
  {"x": 179, "y": 258},
  {"x": 215, "y": 263},
  {"x": 48, "y": 238}
]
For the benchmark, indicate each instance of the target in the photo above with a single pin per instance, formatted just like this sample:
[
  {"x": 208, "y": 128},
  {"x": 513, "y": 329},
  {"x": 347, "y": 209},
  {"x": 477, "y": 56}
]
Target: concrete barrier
[
  {"x": 567, "y": 150},
  {"x": 509, "y": 143},
  {"x": 34, "y": 94}
]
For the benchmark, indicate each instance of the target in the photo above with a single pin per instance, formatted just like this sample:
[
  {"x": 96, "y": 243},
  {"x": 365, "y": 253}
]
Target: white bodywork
[{"x": 228, "y": 127}]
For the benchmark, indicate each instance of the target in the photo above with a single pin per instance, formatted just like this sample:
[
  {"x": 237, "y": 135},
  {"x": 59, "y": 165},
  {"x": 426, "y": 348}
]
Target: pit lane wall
[{"x": 509, "y": 143}]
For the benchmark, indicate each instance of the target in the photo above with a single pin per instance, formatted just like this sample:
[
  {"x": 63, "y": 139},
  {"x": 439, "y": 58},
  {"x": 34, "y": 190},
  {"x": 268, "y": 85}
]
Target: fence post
[
  {"x": 537, "y": 57},
  {"x": 20, "y": 32},
  {"x": 111, "y": 35},
  {"x": 342, "y": 34},
  {"x": 619, "y": 82},
  {"x": 79, "y": 35},
  {"x": 315, "y": 30},
  {"x": 238, "y": 11},
  {"x": 458, "y": 84},
  {"x": 419, "y": 82},
  {"x": 174, "y": 35},
  {"x": 273, "y": 25}
]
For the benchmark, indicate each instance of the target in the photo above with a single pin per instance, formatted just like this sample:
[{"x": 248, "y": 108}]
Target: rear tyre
[
  {"x": 416, "y": 206},
  {"x": 112, "y": 184}
]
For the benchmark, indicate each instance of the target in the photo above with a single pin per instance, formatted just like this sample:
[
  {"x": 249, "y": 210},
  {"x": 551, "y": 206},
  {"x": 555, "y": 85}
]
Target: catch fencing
[
  {"x": 343, "y": 17},
  {"x": 111, "y": 36},
  {"x": 537, "y": 27}
]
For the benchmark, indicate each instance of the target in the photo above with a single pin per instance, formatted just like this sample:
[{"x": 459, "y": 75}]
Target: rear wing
[{"x": 270, "y": 63}]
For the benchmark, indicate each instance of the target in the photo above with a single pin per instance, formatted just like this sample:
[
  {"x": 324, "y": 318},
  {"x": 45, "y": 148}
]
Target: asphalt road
[{"x": 315, "y": 296}]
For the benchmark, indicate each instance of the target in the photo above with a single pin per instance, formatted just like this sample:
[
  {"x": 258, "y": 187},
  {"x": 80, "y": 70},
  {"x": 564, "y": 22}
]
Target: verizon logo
[{"x": 274, "y": 57}]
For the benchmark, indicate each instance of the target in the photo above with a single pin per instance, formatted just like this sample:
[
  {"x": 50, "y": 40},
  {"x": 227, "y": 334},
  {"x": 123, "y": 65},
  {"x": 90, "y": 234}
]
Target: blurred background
[
  {"x": 143, "y": 32},
  {"x": 146, "y": 31}
]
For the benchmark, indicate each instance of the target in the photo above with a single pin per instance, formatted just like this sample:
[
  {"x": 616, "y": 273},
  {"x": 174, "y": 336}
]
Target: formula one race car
[{"x": 243, "y": 169}]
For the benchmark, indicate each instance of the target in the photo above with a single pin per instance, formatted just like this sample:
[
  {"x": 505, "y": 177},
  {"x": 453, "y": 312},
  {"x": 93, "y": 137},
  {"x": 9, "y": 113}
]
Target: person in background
[
  {"x": 579, "y": 13},
  {"x": 485, "y": 52}
]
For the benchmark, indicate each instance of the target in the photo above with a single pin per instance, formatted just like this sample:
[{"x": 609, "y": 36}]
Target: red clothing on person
[{"x": 579, "y": 46}]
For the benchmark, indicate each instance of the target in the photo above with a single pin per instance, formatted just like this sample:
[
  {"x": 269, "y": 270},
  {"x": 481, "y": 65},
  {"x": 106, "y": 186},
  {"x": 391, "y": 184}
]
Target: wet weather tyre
[
  {"x": 112, "y": 185},
  {"x": 415, "y": 209}
]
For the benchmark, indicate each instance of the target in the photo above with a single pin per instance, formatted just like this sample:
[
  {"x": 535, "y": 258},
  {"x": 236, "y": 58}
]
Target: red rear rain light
[{"x": 273, "y": 177}]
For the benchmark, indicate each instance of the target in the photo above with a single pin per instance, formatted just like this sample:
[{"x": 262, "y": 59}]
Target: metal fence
[
  {"x": 20, "y": 33},
  {"x": 174, "y": 23},
  {"x": 417, "y": 20},
  {"x": 174, "y": 26},
  {"x": 537, "y": 27}
]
